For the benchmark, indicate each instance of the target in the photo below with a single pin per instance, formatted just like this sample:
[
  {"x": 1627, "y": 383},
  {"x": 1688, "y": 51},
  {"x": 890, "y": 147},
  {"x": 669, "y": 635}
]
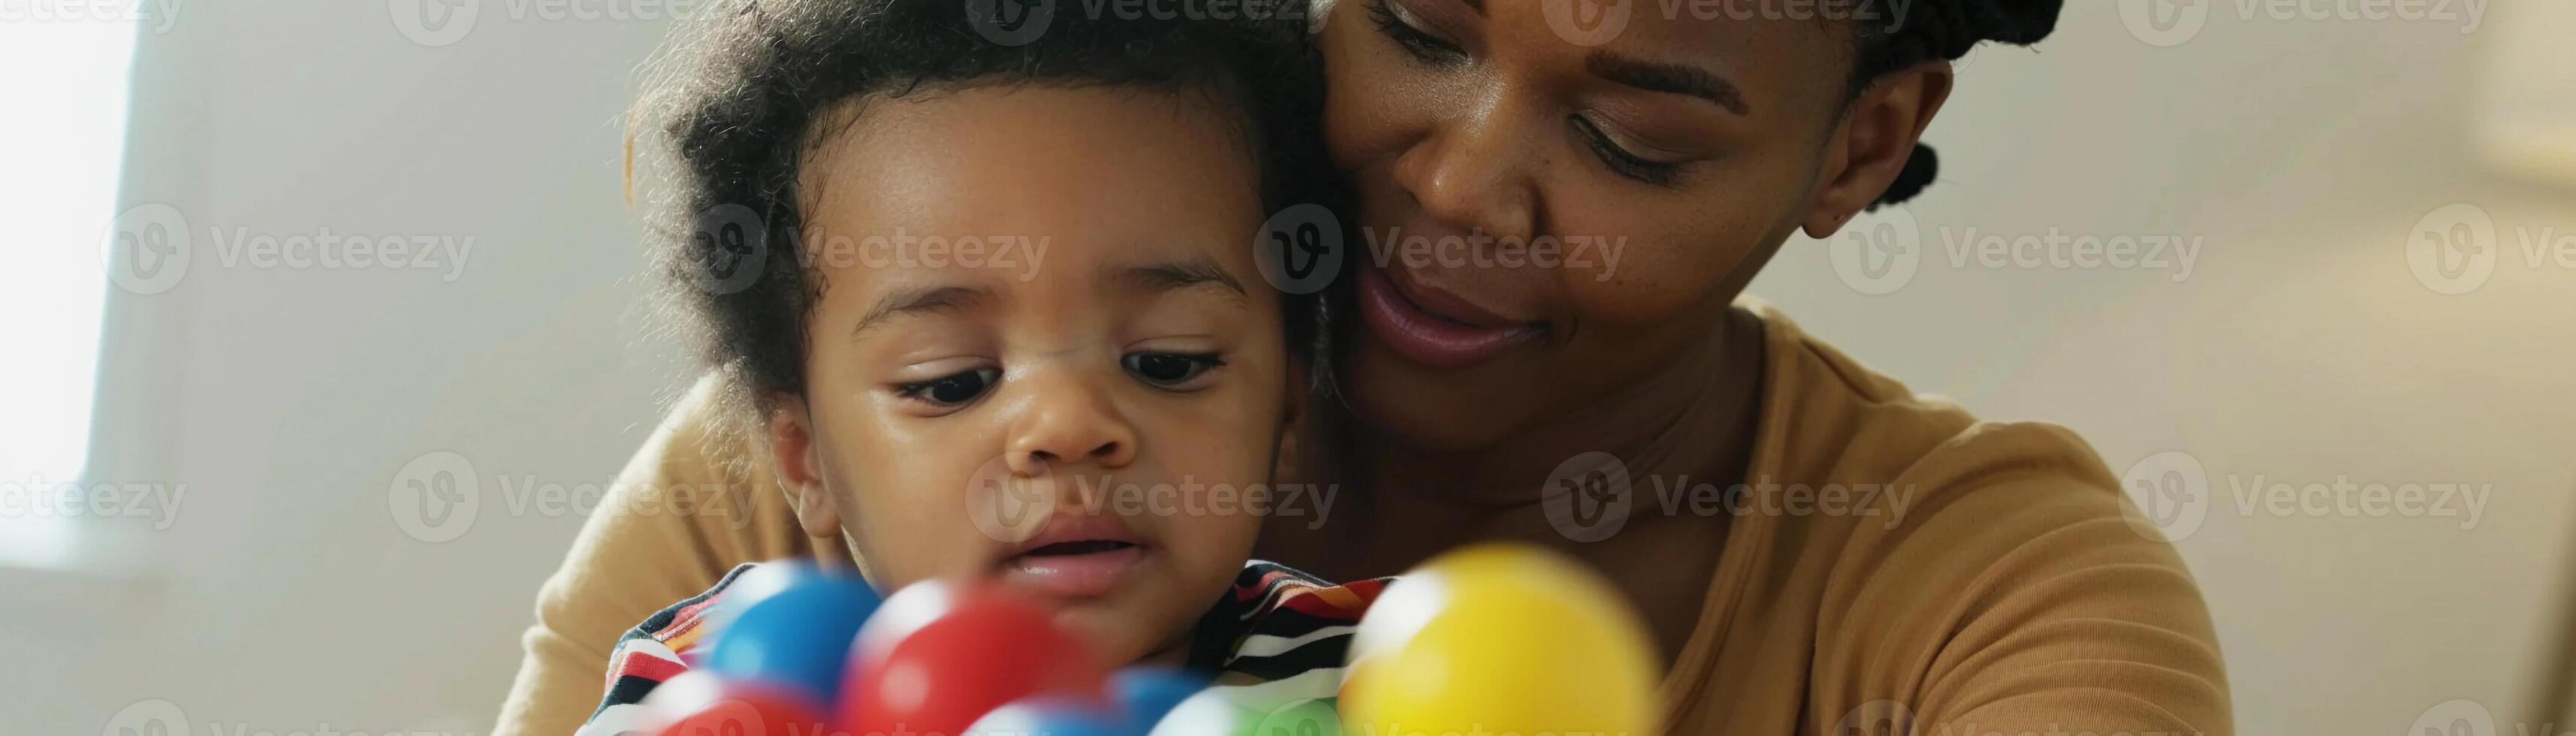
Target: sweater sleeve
[
  {"x": 682, "y": 513},
  {"x": 2019, "y": 598}
]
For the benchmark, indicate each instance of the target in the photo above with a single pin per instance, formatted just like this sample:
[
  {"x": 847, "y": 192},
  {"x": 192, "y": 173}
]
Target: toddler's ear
[{"x": 792, "y": 451}]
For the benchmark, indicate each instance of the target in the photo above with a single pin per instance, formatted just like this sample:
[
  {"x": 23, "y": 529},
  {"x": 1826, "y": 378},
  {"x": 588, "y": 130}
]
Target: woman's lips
[
  {"x": 1084, "y": 574},
  {"x": 1463, "y": 335}
]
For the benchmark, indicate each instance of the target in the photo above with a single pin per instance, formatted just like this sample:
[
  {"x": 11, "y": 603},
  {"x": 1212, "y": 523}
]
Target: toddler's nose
[{"x": 1070, "y": 422}]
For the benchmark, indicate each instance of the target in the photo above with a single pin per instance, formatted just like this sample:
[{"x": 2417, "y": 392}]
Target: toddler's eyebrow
[
  {"x": 1156, "y": 278},
  {"x": 918, "y": 300}
]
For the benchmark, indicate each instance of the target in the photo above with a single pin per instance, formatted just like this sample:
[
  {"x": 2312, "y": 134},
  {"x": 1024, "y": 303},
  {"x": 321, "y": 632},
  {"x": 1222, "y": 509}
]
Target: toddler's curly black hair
[{"x": 746, "y": 89}]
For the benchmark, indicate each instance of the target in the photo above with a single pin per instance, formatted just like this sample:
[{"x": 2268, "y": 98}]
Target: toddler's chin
[{"x": 1120, "y": 635}]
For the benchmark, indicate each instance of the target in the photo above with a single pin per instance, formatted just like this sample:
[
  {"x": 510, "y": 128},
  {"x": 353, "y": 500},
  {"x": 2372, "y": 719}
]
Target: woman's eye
[
  {"x": 1621, "y": 161},
  {"x": 1170, "y": 370},
  {"x": 1421, "y": 44},
  {"x": 952, "y": 390}
]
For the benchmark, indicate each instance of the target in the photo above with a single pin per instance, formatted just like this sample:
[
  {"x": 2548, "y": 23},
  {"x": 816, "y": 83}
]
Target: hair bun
[
  {"x": 1949, "y": 28},
  {"x": 2019, "y": 22},
  {"x": 1920, "y": 168}
]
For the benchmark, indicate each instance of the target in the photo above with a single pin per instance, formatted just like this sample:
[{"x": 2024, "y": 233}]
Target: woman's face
[{"x": 1546, "y": 222}]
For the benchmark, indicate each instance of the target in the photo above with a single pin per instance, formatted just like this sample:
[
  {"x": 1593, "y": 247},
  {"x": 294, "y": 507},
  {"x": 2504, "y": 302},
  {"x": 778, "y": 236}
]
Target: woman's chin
[{"x": 1433, "y": 408}]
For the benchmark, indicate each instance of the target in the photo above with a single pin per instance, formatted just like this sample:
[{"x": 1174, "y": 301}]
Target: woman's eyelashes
[
  {"x": 1429, "y": 48},
  {"x": 1620, "y": 160},
  {"x": 1421, "y": 44}
]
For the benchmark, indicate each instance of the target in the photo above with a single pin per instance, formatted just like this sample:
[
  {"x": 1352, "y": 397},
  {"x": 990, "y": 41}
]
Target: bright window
[{"x": 63, "y": 77}]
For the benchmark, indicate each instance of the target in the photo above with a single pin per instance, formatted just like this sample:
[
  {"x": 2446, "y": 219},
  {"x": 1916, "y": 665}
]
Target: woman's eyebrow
[
  {"x": 1188, "y": 272},
  {"x": 918, "y": 300},
  {"x": 1679, "y": 79}
]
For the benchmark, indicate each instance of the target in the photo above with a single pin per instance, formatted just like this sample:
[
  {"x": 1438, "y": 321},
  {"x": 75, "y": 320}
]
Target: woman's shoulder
[
  {"x": 1826, "y": 417},
  {"x": 1958, "y": 569}
]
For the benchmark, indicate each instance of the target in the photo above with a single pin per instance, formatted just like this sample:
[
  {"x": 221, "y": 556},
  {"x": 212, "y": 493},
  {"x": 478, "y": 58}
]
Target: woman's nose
[
  {"x": 1069, "y": 421},
  {"x": 1473, "y": 173}
]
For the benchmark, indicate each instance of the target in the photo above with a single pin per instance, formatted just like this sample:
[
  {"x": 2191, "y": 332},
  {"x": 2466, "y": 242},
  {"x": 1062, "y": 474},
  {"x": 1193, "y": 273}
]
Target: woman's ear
[
  {"x": 792, "y": 450},
  {"x": 1877, "y": 136}
]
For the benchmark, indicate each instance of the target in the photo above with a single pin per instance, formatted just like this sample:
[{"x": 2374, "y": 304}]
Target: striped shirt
[{"x": 1277, "y": 637}]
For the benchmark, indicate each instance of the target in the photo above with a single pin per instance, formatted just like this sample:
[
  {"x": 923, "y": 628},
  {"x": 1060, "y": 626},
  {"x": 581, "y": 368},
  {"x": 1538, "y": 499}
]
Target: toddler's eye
[
  {"x": 952, "y": 390},
  {"x": 1170, "y": 370}
]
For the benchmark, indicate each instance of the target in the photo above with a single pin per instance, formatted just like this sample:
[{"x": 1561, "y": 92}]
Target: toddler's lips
[{"x": 1082, "y": 569}]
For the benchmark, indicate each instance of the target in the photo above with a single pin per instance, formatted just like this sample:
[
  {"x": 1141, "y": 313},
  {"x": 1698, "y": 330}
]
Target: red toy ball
[
  {"x": 701, "y": 704},
  {"x": 939, "y": 656}
]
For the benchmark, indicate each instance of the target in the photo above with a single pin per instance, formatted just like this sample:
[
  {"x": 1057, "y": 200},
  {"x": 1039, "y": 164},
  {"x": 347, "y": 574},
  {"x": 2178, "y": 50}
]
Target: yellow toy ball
[{"x": 1500, "y": 639}]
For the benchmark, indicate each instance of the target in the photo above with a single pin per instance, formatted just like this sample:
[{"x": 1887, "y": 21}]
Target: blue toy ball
[
  {"x": 797, "y": 637},
  {"x": 1146, "y": 694},
  {"x": 1045, "y": 716}
]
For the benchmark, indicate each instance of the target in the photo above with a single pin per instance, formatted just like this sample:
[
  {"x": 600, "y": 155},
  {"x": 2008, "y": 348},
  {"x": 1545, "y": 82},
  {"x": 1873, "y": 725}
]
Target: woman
[{"x": 1857, "y": 555}]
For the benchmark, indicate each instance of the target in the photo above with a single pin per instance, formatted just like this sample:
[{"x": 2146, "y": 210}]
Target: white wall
[
  {"x": 2300, "y": 350},
  {"x": 284, "y": 597}
]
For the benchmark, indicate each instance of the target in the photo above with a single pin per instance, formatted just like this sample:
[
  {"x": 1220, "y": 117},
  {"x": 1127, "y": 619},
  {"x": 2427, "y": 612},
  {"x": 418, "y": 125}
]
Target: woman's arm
[
  {"x": 2021, "y": 597},
  {"x": 685, "y": 510}
]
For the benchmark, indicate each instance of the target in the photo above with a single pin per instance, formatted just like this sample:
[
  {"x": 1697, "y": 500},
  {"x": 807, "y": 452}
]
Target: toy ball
[
  {"x": 758, "y": 584},
  {"x": 945, "y": 655},
  {"x": 1207, "y": 713},
  {"x": 1145, "y": 694},
  {"x": 795, "y": 637},
  {"x": 1050, "y": 716},
  {"x": 1304, "y": 718},
  {"x": 699, "y": 703},
  {"x": 1500, "y": 638}
]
